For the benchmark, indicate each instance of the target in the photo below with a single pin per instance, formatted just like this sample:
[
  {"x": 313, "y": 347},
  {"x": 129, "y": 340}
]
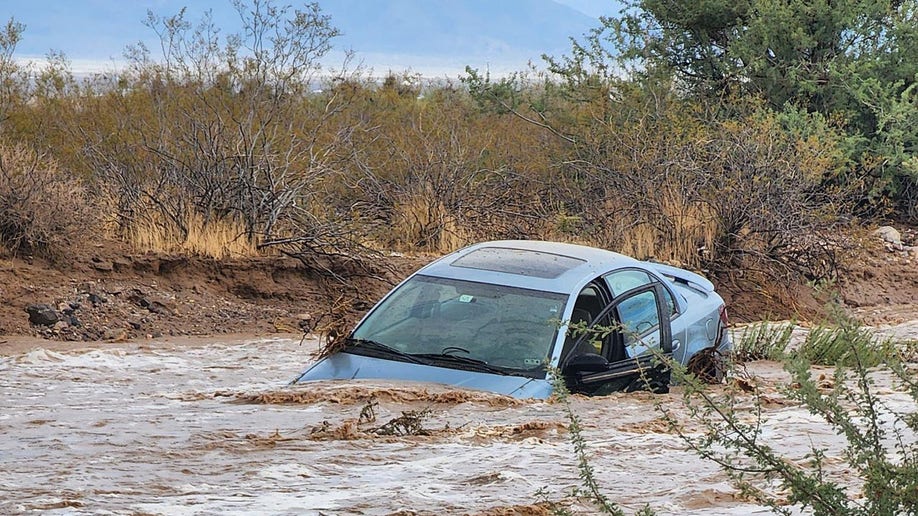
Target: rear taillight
[
  {"x": 724, "y": 319},
  {"x": 724, "y": 323}
]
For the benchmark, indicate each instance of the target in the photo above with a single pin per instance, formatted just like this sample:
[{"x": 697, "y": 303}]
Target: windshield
[{"x": 505, "y": 327}]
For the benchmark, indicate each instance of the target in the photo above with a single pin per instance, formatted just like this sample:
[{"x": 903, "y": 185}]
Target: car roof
[{"x": 533, "y": 264}]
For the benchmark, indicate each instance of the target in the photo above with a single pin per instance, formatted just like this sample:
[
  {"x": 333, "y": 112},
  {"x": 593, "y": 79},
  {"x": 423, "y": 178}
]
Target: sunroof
[{"x": 518, "y": 261}]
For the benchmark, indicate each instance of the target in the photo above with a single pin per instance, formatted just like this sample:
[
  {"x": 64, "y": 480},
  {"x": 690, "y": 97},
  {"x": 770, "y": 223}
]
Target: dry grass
[
  {"x": 667, "y": 230},
  {"x": 422, "y": 223},
  {"x": 679, "y": 233},
  {"x": 670, "y": 229},
  {"x": 43, "y": 209},
  {"x": 216, "y": 238}
]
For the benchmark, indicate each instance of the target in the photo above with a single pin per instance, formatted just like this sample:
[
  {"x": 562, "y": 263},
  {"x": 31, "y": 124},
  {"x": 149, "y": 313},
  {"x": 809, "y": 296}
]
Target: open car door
[{"x": 634, "y": 330}]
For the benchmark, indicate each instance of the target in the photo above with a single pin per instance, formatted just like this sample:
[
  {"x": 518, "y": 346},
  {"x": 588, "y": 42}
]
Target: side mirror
[{"x": 586, "y": 363}]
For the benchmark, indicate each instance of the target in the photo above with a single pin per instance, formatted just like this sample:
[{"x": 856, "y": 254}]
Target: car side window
[
  {"x": 638, "y": 314},
  {"x": 587, "y": 307},
  {"x": 625, "y": 280},
  {"x": 622, "y": 281},
  {"x": 670, "y": 302}
]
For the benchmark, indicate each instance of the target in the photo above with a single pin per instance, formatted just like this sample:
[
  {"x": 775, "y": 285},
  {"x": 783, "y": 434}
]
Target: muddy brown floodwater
[{"x": 211, "y": 427}]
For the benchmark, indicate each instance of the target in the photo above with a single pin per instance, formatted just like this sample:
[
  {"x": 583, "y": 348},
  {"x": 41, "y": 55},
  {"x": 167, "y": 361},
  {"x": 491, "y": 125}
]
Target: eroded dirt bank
[
  {"x": 112, "y": 294},
  {"x": 115, "y": 295}
]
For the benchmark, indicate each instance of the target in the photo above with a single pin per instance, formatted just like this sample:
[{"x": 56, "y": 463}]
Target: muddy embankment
[{"x": 112, "y": 294}]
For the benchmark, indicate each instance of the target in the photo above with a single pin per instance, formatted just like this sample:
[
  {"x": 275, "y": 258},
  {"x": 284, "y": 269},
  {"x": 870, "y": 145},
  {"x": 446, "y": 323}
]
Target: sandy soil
[{"x": 111, "y": 294}]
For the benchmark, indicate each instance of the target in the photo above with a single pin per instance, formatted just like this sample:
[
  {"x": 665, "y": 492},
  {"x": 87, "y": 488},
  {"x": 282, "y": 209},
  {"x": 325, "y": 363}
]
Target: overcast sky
[{"x": 94, "y": 33}]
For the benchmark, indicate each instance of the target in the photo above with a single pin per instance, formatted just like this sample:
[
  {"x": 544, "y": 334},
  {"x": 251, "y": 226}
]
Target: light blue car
[{"x": 500, "y": 316}]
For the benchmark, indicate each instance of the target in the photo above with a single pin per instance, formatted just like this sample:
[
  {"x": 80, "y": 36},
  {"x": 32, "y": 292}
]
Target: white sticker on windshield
[{"x": 466, "y": 298}]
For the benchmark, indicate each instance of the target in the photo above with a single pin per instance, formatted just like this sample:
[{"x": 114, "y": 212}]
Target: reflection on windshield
[{"x": 501, "y": 326}]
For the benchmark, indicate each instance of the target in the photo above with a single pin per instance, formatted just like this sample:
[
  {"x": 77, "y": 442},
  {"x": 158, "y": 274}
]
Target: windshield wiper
[
  {"x": 378, "y": 348},
  {"x": 478, "y": 365},
  {"x": 381, "y": 350}
]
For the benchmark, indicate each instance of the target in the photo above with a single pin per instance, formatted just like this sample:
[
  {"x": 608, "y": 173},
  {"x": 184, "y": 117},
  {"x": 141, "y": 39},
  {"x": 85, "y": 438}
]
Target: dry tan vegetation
[
  {"x": 222, "y": 238},
  {"x": 43, "y": 210},
  {"x": 214, "y": 154}
]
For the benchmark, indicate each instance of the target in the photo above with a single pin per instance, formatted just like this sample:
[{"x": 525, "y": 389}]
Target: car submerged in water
[{"x": 505, "y": 316}]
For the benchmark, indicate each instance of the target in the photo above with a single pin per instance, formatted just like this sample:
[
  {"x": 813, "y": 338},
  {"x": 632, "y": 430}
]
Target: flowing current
[{"x": 212, "y": 427}]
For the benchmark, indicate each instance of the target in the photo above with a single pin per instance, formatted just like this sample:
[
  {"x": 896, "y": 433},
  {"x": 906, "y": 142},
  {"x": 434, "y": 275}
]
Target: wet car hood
[{"x": 345, "y": 366}]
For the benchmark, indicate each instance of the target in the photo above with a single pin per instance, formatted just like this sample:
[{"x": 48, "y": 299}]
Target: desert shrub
[
  {"x": 43, "y": 210},
  {"x": 881, "y": 450},
  {"x": 847, "y": 344},
  {"x": 436, "y": 174},
  {"x": 13, "y": 79},
  {"x": 762, "y": 341},
  {"x": 218, "y": 131},
  {"x": 655, "y": 174},
  {"x": 838, "y": 61}
]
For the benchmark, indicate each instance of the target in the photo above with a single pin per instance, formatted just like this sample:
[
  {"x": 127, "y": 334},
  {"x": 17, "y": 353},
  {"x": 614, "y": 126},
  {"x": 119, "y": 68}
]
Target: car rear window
[{"x": 524, "y": 262}]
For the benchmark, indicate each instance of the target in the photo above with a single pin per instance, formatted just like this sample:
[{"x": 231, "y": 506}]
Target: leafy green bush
[
  {"x": 846, "y": 345},
  {"x": 762, "y": 341},
  {"x": 881, "y": 450}
]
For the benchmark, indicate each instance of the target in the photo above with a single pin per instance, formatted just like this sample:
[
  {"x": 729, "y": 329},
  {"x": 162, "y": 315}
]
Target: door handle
[{"x": 676, "y": 344}]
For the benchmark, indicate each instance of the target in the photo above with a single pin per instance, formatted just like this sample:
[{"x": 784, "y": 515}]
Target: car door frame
[{"x": 631, "y": 365}]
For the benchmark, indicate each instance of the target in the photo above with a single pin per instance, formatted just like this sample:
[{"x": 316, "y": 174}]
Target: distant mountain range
[
  {"x": 428, "y": 36},
  {"x": 498, "y": 32}
]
